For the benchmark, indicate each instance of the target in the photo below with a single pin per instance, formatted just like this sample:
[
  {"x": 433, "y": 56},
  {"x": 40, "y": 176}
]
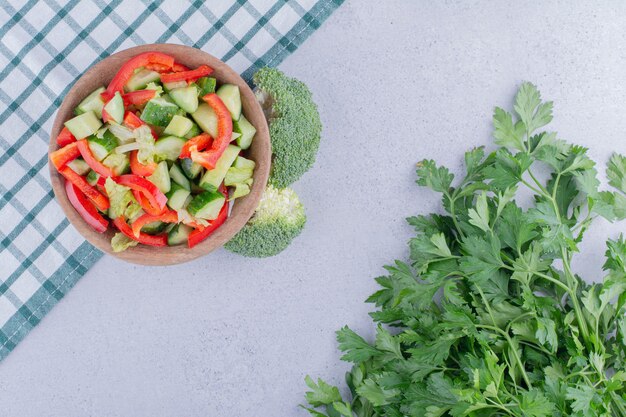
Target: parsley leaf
[{"x": 488, "y": 317}]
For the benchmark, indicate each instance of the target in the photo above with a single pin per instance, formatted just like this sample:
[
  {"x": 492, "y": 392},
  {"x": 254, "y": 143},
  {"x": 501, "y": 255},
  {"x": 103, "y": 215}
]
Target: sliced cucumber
[
  {"x": 119, "y": 163},
  {"x": 102, "y": 146},
  {"x": 115, "y": 108},
  {"x": 242, "y": 162},
  {"x": 92, "y": 177},
  {"x": 186, "y": 98},
  {"x": 190, "y": 168},
  {"x": 84, "y": 125},
  {"x": 176, "y": 174},
  {"x": 179, "y": 126},
  {"x": 161, "y": 178},
  {"x": 194, "y": 131},
  {"x": 154, "y": 228},
  {"x": 178, "y": 235},
  {"x": 169, "y": 227},
  {"x": 206, "y": 205},
  {"x": 141, "y": 79},
  {"x": 79, "y": 166},
  {"x": 213, "y": 178},
  {"x": 206, "y": 119},
  {"x": 240, "y": 191},
  {"x": 177, "y": 197},
  {"x": 196, "y": 189},
  {"x": 159, "y": 111},
  {"x": 93, "y": 102},
  {"x": 247, "y": 131},
  {"x": 206, "y": 85},
  {"x": 169, "y": 147},
  {"x": 236, "y": 176},
  {"x": 175, "y": 84},
  {"x": 229, "y": 93}
]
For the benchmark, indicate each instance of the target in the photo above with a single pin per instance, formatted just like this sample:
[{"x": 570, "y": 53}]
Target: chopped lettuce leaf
[
  {"x": 119, "y": 197},
  {"x": 133, "y": 211},
  {"x": 147, "y": 150},
  {"x": 121, "y": 242}
]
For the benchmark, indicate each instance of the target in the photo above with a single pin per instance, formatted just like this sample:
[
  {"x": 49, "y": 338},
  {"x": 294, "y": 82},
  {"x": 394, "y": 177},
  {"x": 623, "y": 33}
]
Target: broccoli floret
[
  {"x": 294, "y": 123},
  {"x": 277, "y": 221}
]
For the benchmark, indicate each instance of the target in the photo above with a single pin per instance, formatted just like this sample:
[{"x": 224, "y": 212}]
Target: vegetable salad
[{"x": 157, "y": 153}]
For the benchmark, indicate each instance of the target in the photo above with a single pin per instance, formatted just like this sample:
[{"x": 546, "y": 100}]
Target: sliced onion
[
  {"x": 124, "y": 134},
  {"x": 133, "y": 146}
]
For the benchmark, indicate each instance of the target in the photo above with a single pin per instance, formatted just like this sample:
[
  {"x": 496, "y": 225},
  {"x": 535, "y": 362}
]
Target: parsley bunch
[{"x": 488, "y": 318}]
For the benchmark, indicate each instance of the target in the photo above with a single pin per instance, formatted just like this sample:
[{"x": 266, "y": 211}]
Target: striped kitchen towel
[{"x": 44, "y": 47}]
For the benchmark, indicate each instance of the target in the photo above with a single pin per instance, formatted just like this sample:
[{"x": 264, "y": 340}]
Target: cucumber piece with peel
[
  {"x": 206, "y": 118},
  {"x": 179, "y": 234},
  {"x": 84, "y": 125},
  {"x": 141, "y": 79},
  {"x": 236, "y": 176},
  {"x": 246, "y": 131},
  {"x": 206, "y": 85},
  {"x": 241, "y": 190},
  {"x": 93, "y": 102},
  {"x": 79, "y": 166},
  {"x": 92, "y": 177},
  {"x": 174, "y": 84},
  {"x": 154, "y": 228},
  {"x": 169, "y": 147},
  {"x": 194, "y": 131},
  {"x": 159, "y": 111},
  {"x": 242, "y": 162},
  {"x": 230, "y": 95},
  {"x": 212, "y": 179},
  {"x": 161, "y": 177},
  {"x": 176, "y": 175},
  {"x": 186, "y": 98},
  {"x": 115, "y": 108},
  {"x": 206, "y": 205},
  {"x": 102, "y": 146},
  {"x": 178, "y": 126},
  {"x": 177, "y": 197},
  {"x": 190, "y": 168}
]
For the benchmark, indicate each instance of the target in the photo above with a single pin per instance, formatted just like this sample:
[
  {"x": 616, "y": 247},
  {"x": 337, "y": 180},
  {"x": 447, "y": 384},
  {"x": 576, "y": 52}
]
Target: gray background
[{"x": 396, "y": 81}]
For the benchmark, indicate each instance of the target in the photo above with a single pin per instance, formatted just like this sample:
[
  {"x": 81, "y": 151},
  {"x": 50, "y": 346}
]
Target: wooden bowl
[{"x": 243, "y": 208}]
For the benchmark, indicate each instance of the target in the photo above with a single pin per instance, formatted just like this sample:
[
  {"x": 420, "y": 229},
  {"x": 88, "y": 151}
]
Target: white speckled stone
[{"x": 396, "y": 81}]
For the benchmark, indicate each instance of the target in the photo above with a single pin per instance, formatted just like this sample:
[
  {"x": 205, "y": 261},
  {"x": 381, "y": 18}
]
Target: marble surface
[{"x": 396, "y": 81}]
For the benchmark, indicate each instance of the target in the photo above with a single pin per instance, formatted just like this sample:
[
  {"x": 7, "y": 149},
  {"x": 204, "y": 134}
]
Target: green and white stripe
[{"x": 44, "y": 47}]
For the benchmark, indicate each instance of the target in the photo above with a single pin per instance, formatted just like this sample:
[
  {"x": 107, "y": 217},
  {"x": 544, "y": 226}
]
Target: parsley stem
[
  {"x": 532, "y": 187},
  {"x": 499, "y": 406},
  {"x": 556, "y": 185},
  {"x": 487, "y": 306},
  {"x": 521, "y": 316},
  {"x": 618, "y": 403},
  {"x": 453, "y": 214},
  {"x": 573, "y": 283},
  {"x": 554, "y": 281},
  {"x": 535, "y": 346},
  {"x": 539, "y": 184}
]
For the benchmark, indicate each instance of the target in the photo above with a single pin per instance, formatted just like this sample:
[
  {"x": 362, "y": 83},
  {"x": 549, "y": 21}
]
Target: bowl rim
[{"x": 241, "y": 210}]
